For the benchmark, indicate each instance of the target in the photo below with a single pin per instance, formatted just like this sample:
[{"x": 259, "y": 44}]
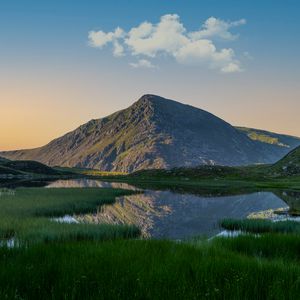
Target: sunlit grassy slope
[
  {"x": 267, "y": 137},
  {"x": 289, "y": 165}
]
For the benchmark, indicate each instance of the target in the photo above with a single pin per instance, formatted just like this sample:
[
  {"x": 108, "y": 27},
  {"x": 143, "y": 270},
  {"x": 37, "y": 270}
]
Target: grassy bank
[
  {"x": 204, "y": 179},
  {"x": 26, "y": 213}
]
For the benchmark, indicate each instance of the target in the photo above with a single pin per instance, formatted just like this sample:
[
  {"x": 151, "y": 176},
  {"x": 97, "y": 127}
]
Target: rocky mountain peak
[{"x": 154, "y": 132}]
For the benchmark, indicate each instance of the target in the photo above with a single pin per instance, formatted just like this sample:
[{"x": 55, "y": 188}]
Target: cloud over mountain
[{"x": 169, "y": 38}]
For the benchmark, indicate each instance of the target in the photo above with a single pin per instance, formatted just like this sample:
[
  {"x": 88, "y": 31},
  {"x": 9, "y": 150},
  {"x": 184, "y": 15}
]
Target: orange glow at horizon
[{"x": 32, "y": 114}]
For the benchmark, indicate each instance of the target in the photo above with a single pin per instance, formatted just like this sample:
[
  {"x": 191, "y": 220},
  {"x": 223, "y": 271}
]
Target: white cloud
[
  {"x": 98, "y": 39},
  {"x": 167, "y": 36},
  {"x": 170, "y": 38},
  {"x": 204, "y": 52},
  {"x": 216, "y": 28},
  {"x": 231, "y": 68},
  {"x": 143, "y": 63}
]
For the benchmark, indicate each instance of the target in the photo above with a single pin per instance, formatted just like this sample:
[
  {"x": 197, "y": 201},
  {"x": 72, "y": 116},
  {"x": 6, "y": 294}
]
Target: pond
[{"x": 172, "y": 215}]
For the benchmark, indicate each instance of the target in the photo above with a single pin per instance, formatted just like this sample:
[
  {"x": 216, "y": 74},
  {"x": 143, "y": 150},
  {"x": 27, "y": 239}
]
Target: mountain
[
  {"x": 288, "y": 165},
  {"x": 153, "y": 133}
]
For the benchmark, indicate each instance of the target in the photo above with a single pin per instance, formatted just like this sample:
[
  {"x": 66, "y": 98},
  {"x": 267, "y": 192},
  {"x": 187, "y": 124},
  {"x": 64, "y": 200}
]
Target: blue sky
[{"x": 49, "y": 71}]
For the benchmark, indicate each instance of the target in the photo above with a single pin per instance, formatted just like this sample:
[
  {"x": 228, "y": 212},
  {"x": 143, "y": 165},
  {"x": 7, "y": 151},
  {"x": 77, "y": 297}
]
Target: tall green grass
[
  {"x": 142, "y": 270},
  {"x": 271, "y": 246},
  {"x": 261, "y": 226},
  {"x": 26, "y": 214}
]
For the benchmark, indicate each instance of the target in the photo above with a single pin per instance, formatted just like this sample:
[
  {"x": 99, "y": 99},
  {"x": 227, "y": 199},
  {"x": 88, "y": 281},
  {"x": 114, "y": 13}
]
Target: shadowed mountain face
[{"x": 153, "y": 133}]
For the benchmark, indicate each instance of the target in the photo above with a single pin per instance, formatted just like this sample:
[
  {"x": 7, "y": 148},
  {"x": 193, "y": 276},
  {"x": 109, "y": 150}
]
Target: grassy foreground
[
  {"x": 240, "y": 268},
  {"x": 84, "y": 261},
  {"x": 25, "y": 214}
]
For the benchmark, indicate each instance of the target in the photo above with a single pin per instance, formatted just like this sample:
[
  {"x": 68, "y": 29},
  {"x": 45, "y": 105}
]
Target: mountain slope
[{"x": 152, "y": 133}]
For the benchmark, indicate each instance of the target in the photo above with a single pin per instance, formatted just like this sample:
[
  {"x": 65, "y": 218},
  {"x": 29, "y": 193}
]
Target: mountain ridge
[{"x": 153, "y": 132}]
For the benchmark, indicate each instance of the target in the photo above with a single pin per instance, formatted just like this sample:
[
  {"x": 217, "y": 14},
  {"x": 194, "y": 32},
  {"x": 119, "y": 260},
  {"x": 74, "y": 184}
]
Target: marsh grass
[
  {"x": 26, "y": 214},
  {"x": 261, "y": 226}
]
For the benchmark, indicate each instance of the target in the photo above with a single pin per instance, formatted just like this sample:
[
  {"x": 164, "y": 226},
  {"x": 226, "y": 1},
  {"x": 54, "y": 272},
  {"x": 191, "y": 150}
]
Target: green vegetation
[
  {"x": 88, "y": 172},
  {"x": 284, "y": 174},
  {"x": 287, "y": 166},
  {"x": 53, "y": 260},
  {"x": 265, "y": 139},
  {"x": 209, "y": 180},
  {"x": 270, "y": 246},
  {"x": 292, "y": 198},
  {"x": 25, "y": 214},
  {"x": 239, "y": 268},
  {"x": 261, "y": 226}
]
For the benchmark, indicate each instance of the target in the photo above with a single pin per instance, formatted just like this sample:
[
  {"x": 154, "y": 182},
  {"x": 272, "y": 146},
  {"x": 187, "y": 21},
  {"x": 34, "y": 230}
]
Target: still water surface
[{"x": 166, "y": 214}]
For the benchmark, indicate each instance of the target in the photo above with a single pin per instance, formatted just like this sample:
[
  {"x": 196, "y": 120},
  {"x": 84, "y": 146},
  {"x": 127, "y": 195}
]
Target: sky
[{"x": 65, "y": 62}]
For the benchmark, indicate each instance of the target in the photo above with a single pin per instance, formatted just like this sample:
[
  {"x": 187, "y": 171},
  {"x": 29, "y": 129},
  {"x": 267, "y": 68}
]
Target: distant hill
[
  {"x": 289, "y": 165},
  {"x": 275, "y": 145},
  {"x": 156, "y": 133},
  {"x": 25, "y": 167},
  {"x": 3, "y": 160},
  {"x": 9, "y": 171}
]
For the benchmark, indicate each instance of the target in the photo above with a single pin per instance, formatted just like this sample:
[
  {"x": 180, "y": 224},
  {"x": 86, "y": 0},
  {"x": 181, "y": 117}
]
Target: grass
[
  {"x": 144, "y": 270},
  {"x": 26, "y": 214},
  {"x": 261, "y": 226},
  {"x": 270, "y": 246}
]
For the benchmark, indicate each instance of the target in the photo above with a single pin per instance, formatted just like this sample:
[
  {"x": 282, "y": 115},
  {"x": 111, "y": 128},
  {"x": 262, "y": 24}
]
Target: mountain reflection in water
[
  {"x": 166, "y": 214},
  {"x": 92, "y": 183}
]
